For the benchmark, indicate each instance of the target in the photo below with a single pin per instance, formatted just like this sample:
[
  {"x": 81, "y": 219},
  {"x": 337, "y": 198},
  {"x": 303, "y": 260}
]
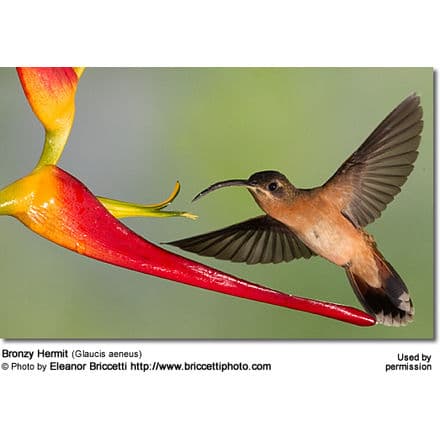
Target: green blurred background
[{"x": 138, "y": 130}]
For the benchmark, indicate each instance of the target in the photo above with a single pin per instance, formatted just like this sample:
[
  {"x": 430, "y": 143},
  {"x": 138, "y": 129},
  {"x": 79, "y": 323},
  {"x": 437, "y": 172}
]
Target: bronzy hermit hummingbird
[{"x": 328, "y": 220}]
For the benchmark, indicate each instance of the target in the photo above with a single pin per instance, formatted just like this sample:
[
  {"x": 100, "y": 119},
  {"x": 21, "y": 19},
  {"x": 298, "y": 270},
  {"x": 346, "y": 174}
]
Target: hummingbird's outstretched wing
[
  {"x": 257, "y": 240},
  {"x": 370, "y": 178}
]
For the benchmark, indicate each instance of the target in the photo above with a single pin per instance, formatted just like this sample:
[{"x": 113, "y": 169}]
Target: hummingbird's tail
[{"x": 390, "y": 303}]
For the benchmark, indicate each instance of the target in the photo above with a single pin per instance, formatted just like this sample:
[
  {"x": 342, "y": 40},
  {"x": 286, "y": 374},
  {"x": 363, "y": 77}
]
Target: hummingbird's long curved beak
[{"x": 218, "y": 185}]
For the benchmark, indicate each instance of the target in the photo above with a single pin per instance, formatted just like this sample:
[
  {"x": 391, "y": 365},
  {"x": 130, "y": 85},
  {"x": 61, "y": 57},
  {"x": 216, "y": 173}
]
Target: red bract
[
  {"x": 59, "y": 207},
  {"x": 51, "y": 95}
]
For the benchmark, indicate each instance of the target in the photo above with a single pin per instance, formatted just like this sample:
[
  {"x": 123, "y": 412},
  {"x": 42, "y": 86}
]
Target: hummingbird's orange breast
[{"x": 320, "y": 225}]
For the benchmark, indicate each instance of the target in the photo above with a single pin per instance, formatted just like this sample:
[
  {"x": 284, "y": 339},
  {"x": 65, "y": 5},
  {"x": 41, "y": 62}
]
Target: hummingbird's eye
[{"x": 273, "y": 186}]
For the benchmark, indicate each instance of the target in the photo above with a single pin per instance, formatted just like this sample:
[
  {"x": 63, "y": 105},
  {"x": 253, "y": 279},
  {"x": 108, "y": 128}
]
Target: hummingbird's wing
[
  {"x": 257, "y": 240},
  {"x": 370, "y": 178}
]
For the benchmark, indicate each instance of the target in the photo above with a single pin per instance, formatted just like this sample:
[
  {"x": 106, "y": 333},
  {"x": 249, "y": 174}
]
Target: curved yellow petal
[{"x": 120, "y": 209}]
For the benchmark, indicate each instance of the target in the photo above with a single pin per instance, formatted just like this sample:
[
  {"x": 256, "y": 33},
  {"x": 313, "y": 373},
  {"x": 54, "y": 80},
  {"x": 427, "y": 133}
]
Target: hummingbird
[{"x": 328, "y": 220}]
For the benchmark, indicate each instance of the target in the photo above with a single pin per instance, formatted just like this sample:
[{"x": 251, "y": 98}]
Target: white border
[{"x": 335, "y": 389}]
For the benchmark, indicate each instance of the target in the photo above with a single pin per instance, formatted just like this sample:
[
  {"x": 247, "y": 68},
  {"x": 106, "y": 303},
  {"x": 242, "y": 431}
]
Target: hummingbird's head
[{"x": 269, "y": 188}]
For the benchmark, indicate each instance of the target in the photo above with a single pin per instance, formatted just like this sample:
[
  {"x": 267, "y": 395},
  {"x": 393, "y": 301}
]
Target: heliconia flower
[
  {"x": 59, "y": 207},
  {"x": 51, "y": 94}
]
